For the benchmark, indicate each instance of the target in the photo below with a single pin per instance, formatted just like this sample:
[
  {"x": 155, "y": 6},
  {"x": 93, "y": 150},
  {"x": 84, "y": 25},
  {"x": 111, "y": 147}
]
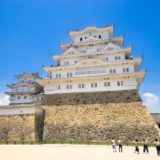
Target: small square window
[
  {"x": 106, "y": 84},
  {"x": 114, "y": 70},
  {"x": 118, "y": 83}
]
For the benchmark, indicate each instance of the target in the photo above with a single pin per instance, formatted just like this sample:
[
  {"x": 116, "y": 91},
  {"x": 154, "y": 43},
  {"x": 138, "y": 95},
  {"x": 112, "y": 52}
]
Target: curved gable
[
  {"x": 71, "y": 51},
  {"x": 90, "y": 62}
]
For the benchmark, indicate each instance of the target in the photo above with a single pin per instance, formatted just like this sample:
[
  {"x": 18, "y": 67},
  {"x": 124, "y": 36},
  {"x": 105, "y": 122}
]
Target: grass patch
[{"x": 69, "y": 142}]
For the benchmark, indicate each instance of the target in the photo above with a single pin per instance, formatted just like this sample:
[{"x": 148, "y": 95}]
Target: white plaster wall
[
  {"x": 28, "y": 80},
  {"x": 128, "y": 84},
  {"x": 104, "y": 36},
  {"x": 71, "y": 61},
  {"x": 29, "y": 99},
  {"x": 111, "y": 58},
  {"x": 119, "y": 70},
  {"x": 91, "y": 49},
  {"x": 23, "y": 89},
  {"x": 20, "y": 111}
]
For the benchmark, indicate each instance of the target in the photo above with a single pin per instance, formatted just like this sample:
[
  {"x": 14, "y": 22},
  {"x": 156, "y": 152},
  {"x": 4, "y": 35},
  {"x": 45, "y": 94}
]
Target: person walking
[
  {"x": 145, "y": 147},
  {"x": 157, "y": 144},
  {"x": 120, "y": 145},
  {"x": 113, "y": 145},
  {"x": 136, "y": 147}
]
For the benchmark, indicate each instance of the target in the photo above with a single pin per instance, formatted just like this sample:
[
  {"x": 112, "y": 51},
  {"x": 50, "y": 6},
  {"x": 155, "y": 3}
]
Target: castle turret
[{"x": 26, "y": 91}]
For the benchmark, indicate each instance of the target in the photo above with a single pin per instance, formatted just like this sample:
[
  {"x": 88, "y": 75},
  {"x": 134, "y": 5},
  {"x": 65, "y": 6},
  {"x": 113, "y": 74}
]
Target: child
[
  {"x": 145, "y": 146},
  {"x": 113, "y": 145},
  {"x": 136, "y": 147},
  {"x": 157, "y": 144}
]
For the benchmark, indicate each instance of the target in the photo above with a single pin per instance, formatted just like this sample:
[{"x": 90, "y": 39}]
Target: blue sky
[{"x": 31, "y": 30}]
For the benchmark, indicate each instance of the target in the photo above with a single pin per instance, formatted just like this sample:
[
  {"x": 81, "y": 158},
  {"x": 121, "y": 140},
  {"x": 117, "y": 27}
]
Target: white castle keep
[{"x": 95, "y": 61}]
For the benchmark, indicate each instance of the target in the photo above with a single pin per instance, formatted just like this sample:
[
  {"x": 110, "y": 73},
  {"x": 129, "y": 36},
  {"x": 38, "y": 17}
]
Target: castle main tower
[
  {"x": 94, "y": 62},
  {"x": 92, "y": 92}
]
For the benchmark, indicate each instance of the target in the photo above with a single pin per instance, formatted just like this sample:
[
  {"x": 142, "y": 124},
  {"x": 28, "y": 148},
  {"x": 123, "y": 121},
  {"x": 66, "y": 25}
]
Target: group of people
[{"x": 145, "y": 146}]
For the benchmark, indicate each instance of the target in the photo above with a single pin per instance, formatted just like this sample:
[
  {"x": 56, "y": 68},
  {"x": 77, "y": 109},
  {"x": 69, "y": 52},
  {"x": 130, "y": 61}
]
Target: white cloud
[
  {"x": 150, "y": 99},
  {"x": 4, "y": 100}
]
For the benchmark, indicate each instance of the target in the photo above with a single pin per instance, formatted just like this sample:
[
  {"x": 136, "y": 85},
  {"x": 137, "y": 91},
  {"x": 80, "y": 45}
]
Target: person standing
[
  {"x": 113, "y": 145},
  {"x": 157, "y": 144},
  {"x": 120, "y": 145},
  {"x": 136, "y": 147},
  {"x": 145, "y": 146}
]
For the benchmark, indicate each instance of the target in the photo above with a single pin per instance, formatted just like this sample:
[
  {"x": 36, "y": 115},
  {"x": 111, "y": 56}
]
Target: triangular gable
[
  {"x": 70, "y": 51},
  {"x": 110, "y": 46},
  {"x": 90, "y": 39}
]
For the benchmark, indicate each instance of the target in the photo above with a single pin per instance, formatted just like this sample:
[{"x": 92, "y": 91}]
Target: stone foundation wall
[
  {"x": 82, "y": 117},
  {"x": 92, "y": 98},
  {"x": 103, "y": 115},
  {"x": 99, "y": 122},
  {"x": 20, "y": 128}
]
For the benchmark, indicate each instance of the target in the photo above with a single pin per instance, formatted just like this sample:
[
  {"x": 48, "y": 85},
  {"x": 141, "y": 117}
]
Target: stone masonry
[
  {"x": 82, "y": 117},
  {"x": 97, "y": 117},
  {"x": 21, "y": 127}
]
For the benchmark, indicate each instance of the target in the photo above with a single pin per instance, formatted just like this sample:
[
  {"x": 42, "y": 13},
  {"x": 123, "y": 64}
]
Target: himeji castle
[
  {"x": 90, "y": 95},
  {"x": 95, "y": 61}
]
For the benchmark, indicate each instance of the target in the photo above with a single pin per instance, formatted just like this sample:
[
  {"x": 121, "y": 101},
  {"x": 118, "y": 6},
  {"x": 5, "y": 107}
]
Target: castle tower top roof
[
  {"x": 90, "y": 29},
  {"x": 27, "y": 76}
]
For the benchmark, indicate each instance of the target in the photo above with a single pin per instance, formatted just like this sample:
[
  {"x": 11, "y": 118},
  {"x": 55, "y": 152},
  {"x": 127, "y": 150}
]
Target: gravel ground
[{"x": 71, "y": 152}]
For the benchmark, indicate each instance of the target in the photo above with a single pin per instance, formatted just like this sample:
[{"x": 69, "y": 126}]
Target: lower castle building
[{"x": 90, "y": 95}]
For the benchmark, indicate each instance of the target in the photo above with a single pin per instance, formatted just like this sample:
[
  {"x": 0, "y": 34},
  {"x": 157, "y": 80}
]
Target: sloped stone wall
[
  {"x": 83, "y": 117},
  {"x": 20, "y": 128},
  {"x": 114, "y": 114}
]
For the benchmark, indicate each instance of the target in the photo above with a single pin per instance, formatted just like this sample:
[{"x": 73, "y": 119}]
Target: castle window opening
[
  {"x": 93, "y": 85},
  {"x": 107, "y": 84}
]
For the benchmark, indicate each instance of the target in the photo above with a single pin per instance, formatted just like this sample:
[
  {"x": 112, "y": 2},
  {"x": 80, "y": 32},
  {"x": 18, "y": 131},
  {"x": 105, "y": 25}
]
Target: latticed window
[
  {"x": 106, "y": 84},
  {"x": 112, "y": 71},
  {"x": 125, "y": 70},
  {"x": 66, "y": 63},
  {"x": 120, "y": 83},
  {"x": 81, "y": 85},
  {"x": 106, "y": 59},
  {"x": 58, "y": 75},
  {"x": 69, "y": 86},
  {"x": 58, "y": 87},
  {"x": 90, "y": 70},
  {"x": 69, "y": 74},
  {"x": 93, "y": 85}
]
